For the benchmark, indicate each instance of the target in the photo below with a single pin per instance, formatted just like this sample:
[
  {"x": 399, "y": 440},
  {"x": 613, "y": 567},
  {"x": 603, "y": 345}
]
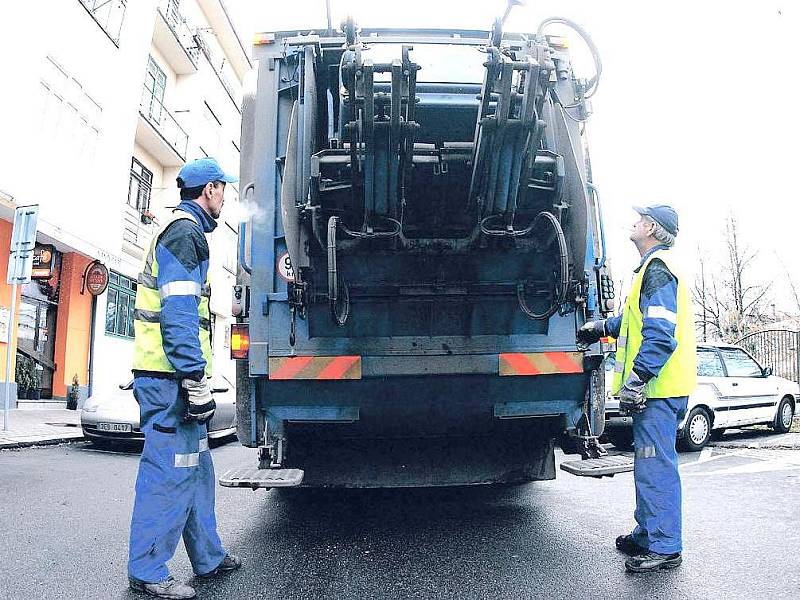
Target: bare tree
[{"x": 730, "y": 300}]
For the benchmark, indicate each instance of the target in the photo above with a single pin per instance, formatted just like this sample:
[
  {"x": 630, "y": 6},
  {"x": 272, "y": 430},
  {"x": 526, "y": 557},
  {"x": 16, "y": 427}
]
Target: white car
[
  {"x": 733, "y": 390},
  {"x": 114, "y": 415}
]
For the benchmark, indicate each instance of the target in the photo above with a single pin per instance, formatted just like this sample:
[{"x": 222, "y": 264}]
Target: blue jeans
[
  {"x": 656, "y": 477},
  {"x": 174, "y": 487}
]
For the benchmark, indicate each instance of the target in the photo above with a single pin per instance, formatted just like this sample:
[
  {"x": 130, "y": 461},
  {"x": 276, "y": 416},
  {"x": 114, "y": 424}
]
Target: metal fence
[
  {"x": 182, "y": 30},
  {"x": 776, "y": 348}
]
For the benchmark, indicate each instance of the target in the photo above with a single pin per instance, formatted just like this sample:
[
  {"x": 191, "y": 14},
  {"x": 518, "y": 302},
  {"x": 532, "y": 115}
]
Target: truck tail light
[{"x": 240, "y": 341}]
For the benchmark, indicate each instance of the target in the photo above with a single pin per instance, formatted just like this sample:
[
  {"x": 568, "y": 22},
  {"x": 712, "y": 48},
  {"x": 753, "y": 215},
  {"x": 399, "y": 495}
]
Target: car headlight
[{"x": 90, "y": 408}]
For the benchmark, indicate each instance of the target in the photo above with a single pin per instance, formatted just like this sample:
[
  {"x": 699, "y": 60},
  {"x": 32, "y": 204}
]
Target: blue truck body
[{"x": 411, "y": 309}]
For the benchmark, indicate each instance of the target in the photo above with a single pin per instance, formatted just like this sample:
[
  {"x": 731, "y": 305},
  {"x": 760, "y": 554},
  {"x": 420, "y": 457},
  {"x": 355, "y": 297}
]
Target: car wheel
[
  {"x": 783, "y": 419},
  {"x": 620, "y": 437},
  {"x": 716, "y": 434},
  {"x": 697, "y": 430}
]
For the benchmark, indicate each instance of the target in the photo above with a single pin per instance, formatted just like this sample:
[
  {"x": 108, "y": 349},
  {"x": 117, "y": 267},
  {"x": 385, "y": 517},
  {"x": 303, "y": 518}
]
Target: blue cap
[
  {"x": 199, "y": 172},
  {"x": 662, "y": 214}
]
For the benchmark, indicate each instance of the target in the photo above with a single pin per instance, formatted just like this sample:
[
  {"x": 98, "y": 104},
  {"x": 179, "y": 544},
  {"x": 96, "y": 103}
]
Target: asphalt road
[{"x": 65, "y": 514}]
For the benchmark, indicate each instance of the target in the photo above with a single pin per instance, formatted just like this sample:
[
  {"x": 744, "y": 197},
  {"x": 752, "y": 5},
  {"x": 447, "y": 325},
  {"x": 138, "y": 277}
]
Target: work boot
[
  {"x": 627, "y": 545},
  {"x": 169, "y": 588},
  {"x": 231, "y": 562},
  {"x": 652, "y": 561}
]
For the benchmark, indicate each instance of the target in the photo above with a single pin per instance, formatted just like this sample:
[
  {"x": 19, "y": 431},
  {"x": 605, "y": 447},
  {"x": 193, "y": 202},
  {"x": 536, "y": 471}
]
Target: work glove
[
  {"x": 200, "y": 405},
  {"x": 631, "y": 396},
  {"x": 591, "y": 332}
]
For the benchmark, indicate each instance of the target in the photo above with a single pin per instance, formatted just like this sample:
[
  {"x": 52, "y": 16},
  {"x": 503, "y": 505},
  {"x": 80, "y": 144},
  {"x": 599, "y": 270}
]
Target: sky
[{"x": 695, "y": 109}]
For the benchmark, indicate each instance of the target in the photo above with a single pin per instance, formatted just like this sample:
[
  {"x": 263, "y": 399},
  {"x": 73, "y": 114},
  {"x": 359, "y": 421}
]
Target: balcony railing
[
  {"x": 203, "y": 45},
  {"x": 136, "y": 234},
  {"x": 109, "y": 14},
  {"x": 177, "y": 22},
  {"x": 153, "y": 110}
]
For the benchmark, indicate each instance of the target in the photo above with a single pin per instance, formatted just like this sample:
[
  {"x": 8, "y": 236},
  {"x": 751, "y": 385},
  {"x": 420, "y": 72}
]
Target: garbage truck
[{"x": 423, "y": 241}]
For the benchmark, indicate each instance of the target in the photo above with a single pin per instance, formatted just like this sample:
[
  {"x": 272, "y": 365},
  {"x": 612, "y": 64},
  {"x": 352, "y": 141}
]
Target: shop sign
[
  {"x": 96, "y": 278},
  {"x": 43, "y": 259}
]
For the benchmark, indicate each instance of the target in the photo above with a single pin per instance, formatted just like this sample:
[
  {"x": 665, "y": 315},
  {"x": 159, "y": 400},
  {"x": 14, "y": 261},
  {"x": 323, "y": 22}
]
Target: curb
[
  {"x": 746, "y": 446},
  {"x": 44, "y": 442}
]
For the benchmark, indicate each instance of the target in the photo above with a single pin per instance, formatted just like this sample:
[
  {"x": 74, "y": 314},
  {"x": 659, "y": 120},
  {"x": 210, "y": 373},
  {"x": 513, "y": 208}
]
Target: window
[
  {"x": 140, "y": 186},
  {"x": 231, "y": 248},
  {"x": 70, "y": 123},
  {"x": 109, "y": 14},
  {"x": 119, "y": 305},
  {"x": 709, "y": 364},
  {"x": 155, "y": 84},
  {"x": 739, "y": 364}
]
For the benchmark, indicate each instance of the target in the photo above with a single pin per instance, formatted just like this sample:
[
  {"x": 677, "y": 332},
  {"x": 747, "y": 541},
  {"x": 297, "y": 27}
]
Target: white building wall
[{"x": 70, "y": 134}]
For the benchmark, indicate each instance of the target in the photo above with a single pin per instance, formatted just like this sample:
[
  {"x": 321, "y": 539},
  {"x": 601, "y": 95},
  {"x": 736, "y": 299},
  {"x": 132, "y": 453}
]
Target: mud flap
[
  {"x": 254, "y": 478},
  {"x": 599, "y": 467}
]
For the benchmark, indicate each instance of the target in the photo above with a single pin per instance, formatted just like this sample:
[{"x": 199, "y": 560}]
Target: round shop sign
[
  {"x": 285, "y": 269},
  {"x": 96, "y": 278}
]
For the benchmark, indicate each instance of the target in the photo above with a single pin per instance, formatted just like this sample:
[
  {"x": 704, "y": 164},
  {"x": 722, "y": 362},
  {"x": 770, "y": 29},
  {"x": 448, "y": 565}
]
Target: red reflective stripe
[
  {"x": 291, "y": 367},
  {"x": 563, "y": 362},
  {"x": 520, "y": 365},
  {"x": 338, "y": 367}
]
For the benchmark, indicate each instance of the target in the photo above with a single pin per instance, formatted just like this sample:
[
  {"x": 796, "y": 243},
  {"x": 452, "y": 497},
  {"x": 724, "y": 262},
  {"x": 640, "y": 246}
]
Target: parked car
[
  {"x": 733, "y": 390},
  {"x": 114, "y": 415}
]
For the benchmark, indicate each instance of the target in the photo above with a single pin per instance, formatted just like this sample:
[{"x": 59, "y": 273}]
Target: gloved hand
[
  {"x": 200, "y": 405},
  {"x": 591, "y": 332},
  {"x": 631, "y": 396}
]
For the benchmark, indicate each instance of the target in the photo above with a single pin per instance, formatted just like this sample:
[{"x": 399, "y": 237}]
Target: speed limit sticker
[{"x": 285, "y": 269}]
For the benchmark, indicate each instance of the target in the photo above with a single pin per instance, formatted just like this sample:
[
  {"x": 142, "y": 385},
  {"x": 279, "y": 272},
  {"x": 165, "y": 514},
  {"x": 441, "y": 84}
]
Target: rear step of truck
[
  {"x": 254, "y": 478},
  {"x": 599, "y": 467}
]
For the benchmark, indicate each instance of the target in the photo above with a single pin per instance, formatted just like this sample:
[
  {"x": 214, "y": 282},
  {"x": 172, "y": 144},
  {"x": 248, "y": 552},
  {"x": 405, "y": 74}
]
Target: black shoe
[
  {"x": 627, "y": 545},
  {"x": 231, "y": 562},
  {"x": 652, "y": 561}
]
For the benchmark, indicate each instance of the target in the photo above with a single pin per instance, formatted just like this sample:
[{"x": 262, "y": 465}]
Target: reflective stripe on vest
[
  {"x": 148, "y": 351},
  {"x": 678, "y": 377}
]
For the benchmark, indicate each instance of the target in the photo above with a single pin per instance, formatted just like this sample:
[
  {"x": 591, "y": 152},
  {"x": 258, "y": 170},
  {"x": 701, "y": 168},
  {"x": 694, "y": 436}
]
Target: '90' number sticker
[{"x": 285, "y": 269}]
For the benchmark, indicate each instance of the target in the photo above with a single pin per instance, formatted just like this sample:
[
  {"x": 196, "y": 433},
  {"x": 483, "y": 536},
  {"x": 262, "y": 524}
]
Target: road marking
[{"x": 758, "y": 464}]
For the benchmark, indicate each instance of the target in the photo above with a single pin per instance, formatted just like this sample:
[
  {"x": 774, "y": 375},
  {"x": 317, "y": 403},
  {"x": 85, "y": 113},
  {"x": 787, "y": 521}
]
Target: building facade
[{"x": 110, "y": 99}]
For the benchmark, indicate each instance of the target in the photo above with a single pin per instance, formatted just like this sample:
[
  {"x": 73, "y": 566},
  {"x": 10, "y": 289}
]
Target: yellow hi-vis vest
[
  {"x": 148, "y": 350},
  {"x": 678, "y": 377}
]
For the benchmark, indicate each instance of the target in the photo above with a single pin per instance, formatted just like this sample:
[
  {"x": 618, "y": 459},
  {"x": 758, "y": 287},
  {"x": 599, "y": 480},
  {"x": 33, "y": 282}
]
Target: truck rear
[{"x": 422, "y": 244}]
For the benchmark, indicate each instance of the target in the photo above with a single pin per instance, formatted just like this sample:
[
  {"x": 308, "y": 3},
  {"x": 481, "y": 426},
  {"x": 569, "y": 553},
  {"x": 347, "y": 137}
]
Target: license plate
[{"x": 117, "y": 427}]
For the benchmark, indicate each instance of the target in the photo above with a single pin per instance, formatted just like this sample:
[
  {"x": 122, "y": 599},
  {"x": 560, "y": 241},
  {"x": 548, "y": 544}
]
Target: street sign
[
  {"x": 23, "y": 240},
  {"x": 20, "y": 265}
]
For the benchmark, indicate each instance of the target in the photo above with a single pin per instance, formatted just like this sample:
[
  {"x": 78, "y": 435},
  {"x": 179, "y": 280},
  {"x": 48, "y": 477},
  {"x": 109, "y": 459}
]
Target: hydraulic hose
[
  {"x": 334, "y": 280},
  {"x": 598, "y": 65},
  {"x": 563, "y": 284}
]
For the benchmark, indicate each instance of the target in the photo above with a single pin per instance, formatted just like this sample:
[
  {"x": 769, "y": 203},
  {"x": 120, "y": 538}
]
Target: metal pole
[
  {"x": 9, "y": 335},
  {"x": 328, "y": 10}
]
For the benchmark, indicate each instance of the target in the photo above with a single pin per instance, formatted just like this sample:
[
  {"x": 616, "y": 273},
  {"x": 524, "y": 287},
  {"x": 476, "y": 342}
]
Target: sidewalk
[{"x": 40, "y": 426}]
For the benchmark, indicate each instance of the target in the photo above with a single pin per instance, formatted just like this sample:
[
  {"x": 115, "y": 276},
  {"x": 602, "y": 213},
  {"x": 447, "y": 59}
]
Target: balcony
[
  {"x": 174, "y": 39},
  {"x": 216, "y": 66},
  {"x": 159, "y": 133},
  {"x": 136, "y": 234}
]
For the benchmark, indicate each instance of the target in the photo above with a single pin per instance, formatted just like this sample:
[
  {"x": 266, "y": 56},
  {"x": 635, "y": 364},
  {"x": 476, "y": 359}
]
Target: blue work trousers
[
  {"x": 174, "y": 488},
  {"x": 656, "y": 477}
]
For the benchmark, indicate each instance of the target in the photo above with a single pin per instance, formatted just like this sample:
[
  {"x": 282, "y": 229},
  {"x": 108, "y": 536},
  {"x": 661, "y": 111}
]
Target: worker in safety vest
[
  {"x": 172, "y": 366},
  {"x": 655, "y": 371}
]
